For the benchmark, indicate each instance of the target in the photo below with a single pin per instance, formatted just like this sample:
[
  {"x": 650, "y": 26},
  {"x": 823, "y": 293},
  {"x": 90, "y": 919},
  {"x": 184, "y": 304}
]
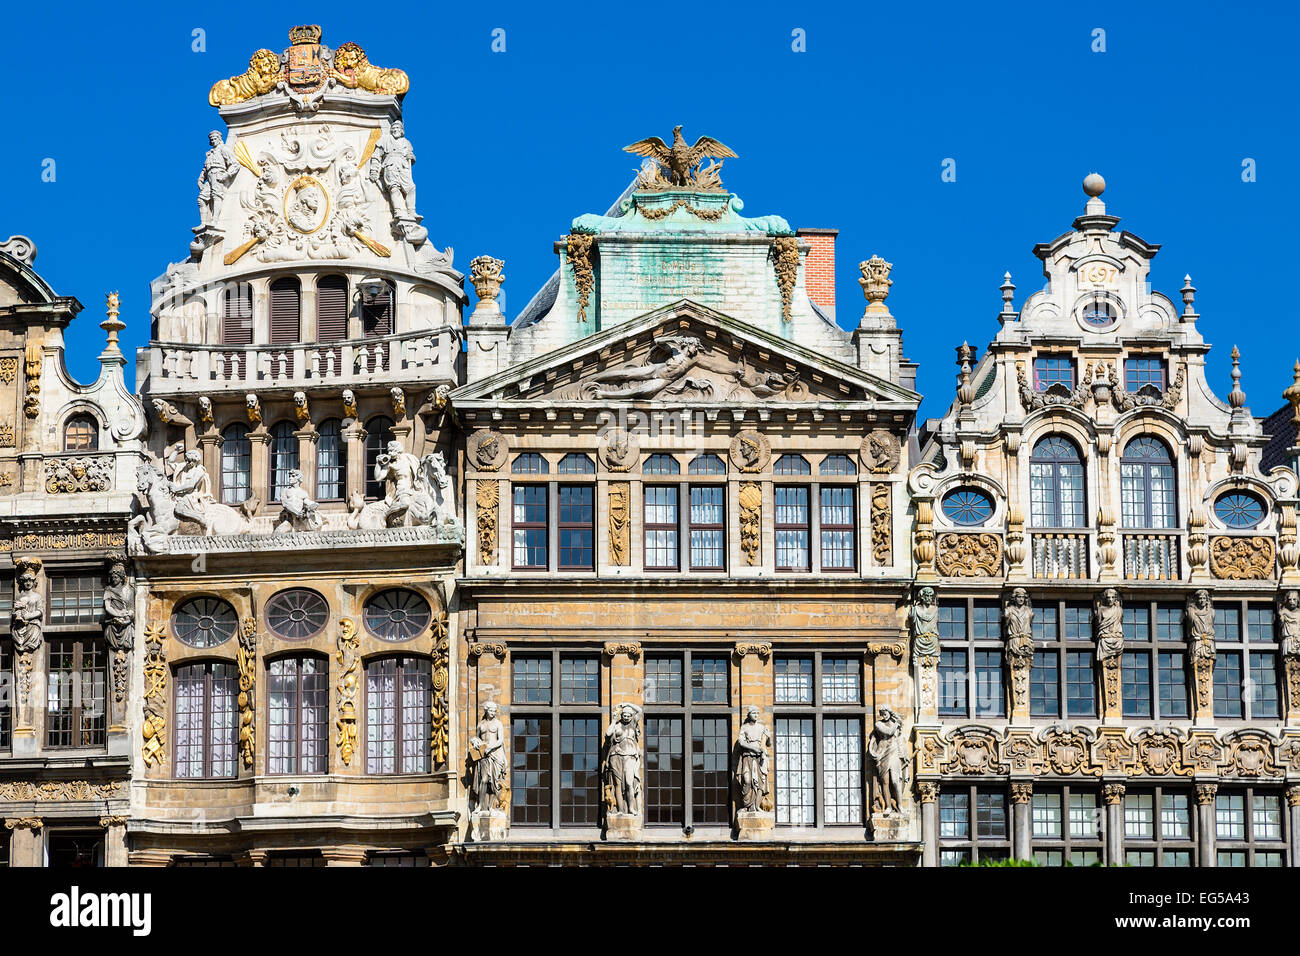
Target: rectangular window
[
  {"x": 791, "y": 527},
  {"x": 973, "y": 825},
  {"x": 663, "y": 680},
  {"x": 1227, "y": 684},
  {"x": 1044, "y": 685},
  {"x": 795, "y": 781},
  {"x": 952, "y": 683},
  {"x": 577, "y": 527},
  {"x": 1080, "y": 684},
  {"x": 1144, "y": 371},
  {"x": 710, "y": 776},
  {"x": 297, "y": 716},
  {"x": 580, "y": 791},
  {"x": 709, "y": 680},
  {"x": 398, "y": 716},
  {"x": 665, "y": 774},
  {"x": 661, "y": 527},
  {"x": 989, "y": 701},
  {"x": 579, "y": 680},
  {"x": 529, "y": 527},
  {"x": 1158, "y": 828},
  {"x": 954, "y": 815},
  {"x": 707, "y": 537},
  {"x": 1173, "y": 684},
  {"x": 531, "y": 680},
  {"x": 530, "y": 776},
  {"x": 842, "y": 770},
  {"x": 1052, "y": 370},
  {"x": 77, "y": 675},
  {"x": 6, "y": 694},
  {"x": 76, "y": 598},
  {"x": 841, "y": 680},
  {"x": 838, "y": 529},
  {"x": 1136, "y": 675},
  {"x": 1065, "y": 826},
  {"x": 793, "y": 679}
]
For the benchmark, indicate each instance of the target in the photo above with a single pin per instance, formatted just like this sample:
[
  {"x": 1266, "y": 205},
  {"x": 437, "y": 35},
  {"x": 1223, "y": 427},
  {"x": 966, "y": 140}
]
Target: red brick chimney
[{"x": 820, "y": 268}]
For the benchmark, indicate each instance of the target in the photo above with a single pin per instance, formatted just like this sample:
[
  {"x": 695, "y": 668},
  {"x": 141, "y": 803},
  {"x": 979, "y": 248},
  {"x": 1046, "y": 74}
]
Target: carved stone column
[
  {"x": 1016, "y": 550},
  {"x": 1203, "y": 692},
  {"x": 1113, "y": 795},
  {"x": 307, "y": 439},
  {"x": 927, "y": 683},
  {"x": 27, "y": 847},
  {"x": 1293, "y": 808},
  {"x": 927, "y": 792},
  {"x": 210, "y": 449},
  {"x": 1022, "y": 795},
  {"x": 259, "y": 467},
  {"x": 1292, "y": 665},
  {"x": 29, "y": 654},
  {"x": 355, "y": 436},
  {"x": 923, "y": 540},
  {"x": 1205, "y": 794},
  {"x": 114, "y": 840},
  {"x": 1110, "y": 561}
]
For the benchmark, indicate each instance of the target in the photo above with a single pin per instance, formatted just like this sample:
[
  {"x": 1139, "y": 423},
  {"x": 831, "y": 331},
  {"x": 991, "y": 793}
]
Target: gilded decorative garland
[
  {"x": 578, "y": 247},
  {"x": 349, "y": 666},
  {"x": 246, "y": 658},
  {"x": 440, "y": 723},
  {"x": 154, "y": 727},
  {"x": 785, "y": 260}
]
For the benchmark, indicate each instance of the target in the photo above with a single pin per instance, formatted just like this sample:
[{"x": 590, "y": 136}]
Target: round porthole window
[
  {"x": 297, "y": 614},
  {"x": 204, "y": 622},
  {"x": 1239, "y": 509},
  {"x": 1099, "y": 313},
  {"x": 397, "y": 614},
  {"x": 968, "y": 507}
]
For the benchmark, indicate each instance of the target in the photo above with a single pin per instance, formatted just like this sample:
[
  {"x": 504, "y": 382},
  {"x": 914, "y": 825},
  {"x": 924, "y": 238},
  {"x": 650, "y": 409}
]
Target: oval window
[
  {"x": 204, "y": 622},
  {"x": 967, "y": 506},
  {"x": 1239, "y": 509},
  {"x": 397, "y": 615},
  {"x": 1099, "y": 313},
  {"x": 296, "y": 614}
]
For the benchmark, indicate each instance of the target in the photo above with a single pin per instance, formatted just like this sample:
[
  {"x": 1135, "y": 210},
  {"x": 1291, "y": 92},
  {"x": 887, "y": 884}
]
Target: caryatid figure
[
  {"x": 924, "y": 618},
  {"x": 752, "y": 745},
  {"x": 488, "y": 750},
  {"x": 623, "y": 761}
]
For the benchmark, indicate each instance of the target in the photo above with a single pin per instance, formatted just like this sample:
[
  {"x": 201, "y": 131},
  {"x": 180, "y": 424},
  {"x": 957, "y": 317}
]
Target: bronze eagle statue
[{"x": 679, "y": 159}]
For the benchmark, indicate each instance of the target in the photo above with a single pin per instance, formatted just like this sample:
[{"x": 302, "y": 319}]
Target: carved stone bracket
[
  {"x": 893, "y": 648},
  {"x": 630, "y": 649},
  {"x": 927, "y": 791},
  {"x": 1022, "y": 791},
  {"x": 1113, "y": 794},
  {"x": 477, "y": 650},
  {"x": 762, "y": 650},
  {"x": 24, "y": 823}
]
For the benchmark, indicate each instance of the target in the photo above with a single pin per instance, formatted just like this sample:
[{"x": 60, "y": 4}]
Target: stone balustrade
[
  {"x": 1152, "y": 555},
  {"x": 1060, "y": 555}
]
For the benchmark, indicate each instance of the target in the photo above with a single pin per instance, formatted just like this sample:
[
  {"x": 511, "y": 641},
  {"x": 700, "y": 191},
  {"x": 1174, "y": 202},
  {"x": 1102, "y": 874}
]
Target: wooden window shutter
[
  {"x": 286, "y": 310},
  {"x": 237, "y": 315},
  {"x": 378, "y": 314},
  {"x": 331, "y": 309}
]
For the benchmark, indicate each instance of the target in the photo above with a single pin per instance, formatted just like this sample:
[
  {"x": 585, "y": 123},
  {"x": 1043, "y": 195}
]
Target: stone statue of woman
[
  {"x": 623, "y": 761},
  {"x": 1288, "y": 618},
  {"x": 1109, "y": 620},
  {"x": 752, "y": 764},
  {"x": 1018, "y": 625},
  {"x": 1199, "y": 617},
  {"x": 924, "y": 619}
]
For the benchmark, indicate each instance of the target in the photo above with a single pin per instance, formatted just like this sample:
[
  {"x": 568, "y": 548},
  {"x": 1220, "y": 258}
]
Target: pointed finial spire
[
  {"x": 1292, "y": 394},
  {"x": 1008, "y": 293},
  {"x": 1236, "y": 398}
]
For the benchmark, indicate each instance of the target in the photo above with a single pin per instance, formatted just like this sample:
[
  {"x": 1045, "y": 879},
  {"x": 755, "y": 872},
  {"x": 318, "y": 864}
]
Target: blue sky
[{"x": 851, "y": 133}]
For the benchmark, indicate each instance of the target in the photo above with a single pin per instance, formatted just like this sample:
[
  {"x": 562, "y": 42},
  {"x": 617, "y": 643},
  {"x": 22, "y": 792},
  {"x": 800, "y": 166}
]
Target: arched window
[
  {"x": 576, "y": 465},
  {"x": 838, "y": 465},
  {"x": 1147, "y": 485},
  {"x": 298, "y": 704},
  {"x": 379, "y": 432},
  {"x": 397, "y": 614},
  {"x": 331, "y": 461},
  {"x": 662, "y": 465},
  {"x": 967, "y": 506},
  {"x": 398, "y": 714},
  {"x": 81, "y": 433},
  {"x": 297, "y": 613},
  {"x": 283, "y": 458},
  {"x": 204, "y": 622},
  {"x": 529, "y": 463},
  {"x": 792, "y": 465},
  {"x": 707, "y": 465},
  {"x": 1056, "y": 484},
  {"x": 286, "y": 310},
  {"x": 236, "y": 464},
  {"x": 237, "y": 314},
  {"x": 207, "y": 720},
  {"x": 331, "y": 308},
  {"x": 377, "y": 313}
]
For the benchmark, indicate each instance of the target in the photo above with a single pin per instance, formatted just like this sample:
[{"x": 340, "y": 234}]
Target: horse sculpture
[
  {"x": 154, "y": 526},
  {"x": 429, "y": 503}
]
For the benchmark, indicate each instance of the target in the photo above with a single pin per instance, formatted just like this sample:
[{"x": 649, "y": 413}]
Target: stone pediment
[{"x": 684, "y": 353}]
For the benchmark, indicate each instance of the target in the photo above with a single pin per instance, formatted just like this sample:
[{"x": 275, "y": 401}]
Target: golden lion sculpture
[
  {"x": 352, "y": 69},
  {"x": 262, "y": 76}
]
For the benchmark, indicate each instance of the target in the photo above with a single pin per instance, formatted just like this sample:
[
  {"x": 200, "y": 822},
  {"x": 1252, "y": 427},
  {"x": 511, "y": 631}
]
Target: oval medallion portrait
[{"x": 306, "y": 204}]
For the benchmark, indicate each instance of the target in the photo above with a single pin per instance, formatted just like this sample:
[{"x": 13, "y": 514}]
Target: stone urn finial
[
  {"x": 485, "y": 272},
  {"x": 1236, "y": 398},
  {"x": 1292, "y": 394},
  {"x": 875, "y": 283}
]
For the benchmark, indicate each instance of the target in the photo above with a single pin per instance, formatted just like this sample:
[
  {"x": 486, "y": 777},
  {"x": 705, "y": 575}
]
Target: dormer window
[
  {"x": 81, "y": 433},
  {"x": 1142, "y": 371},
  {"x": 1052, "y": 370}
]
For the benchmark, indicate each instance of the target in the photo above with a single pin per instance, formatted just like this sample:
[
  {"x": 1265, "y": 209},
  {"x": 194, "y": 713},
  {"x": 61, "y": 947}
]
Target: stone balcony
[
  {"x": 334, "y": 536},
  {"x": 198, "y": 369}
]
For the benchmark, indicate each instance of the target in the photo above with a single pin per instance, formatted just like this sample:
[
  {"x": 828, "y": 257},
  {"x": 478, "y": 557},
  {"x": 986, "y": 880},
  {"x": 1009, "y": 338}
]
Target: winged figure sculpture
[{"x": 680, "y": 160}]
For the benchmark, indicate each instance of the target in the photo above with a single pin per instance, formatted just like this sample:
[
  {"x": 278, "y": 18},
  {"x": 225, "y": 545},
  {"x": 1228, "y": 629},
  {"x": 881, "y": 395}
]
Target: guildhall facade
[{"x": 665, "y": 570}]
